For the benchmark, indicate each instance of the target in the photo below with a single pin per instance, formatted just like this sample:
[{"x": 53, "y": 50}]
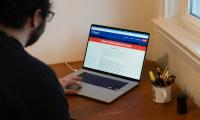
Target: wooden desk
[{"x": 135, "y": 105}]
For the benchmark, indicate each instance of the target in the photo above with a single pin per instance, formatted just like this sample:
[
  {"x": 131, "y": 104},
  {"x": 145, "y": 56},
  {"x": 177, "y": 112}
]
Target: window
[
  {"x": 194, "y": 8},
  {"x": 183, "y": 13},
  {"x": 178, "y": 22}
]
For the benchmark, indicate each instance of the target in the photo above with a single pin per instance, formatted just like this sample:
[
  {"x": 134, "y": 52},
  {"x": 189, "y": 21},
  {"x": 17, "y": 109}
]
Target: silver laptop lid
[{"x": 116, "y": 51}]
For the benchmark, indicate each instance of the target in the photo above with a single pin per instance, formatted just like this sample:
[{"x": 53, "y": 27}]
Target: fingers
[
  {"x": 73, "y": 78},
  {"x": 70, "y": 79},
  {"x": 70, "y": 92},
  {"x": 77, "y": 83},
  {"x": 77, "y": 78},
  {"x": 70, "y": 82},
  {"x": 67, "y": 81}
]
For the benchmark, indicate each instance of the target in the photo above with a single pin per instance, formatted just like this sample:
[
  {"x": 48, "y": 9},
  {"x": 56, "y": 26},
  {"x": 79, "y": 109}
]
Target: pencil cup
[{"x": 161, "y": 94}]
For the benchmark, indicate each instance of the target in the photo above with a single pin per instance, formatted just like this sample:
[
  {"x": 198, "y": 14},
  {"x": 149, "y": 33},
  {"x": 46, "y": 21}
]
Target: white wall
[{"x": 66, "y": 36}]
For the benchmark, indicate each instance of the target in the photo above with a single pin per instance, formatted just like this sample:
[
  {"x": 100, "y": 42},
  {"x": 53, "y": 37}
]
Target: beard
[{"x": 35, "y": 34}]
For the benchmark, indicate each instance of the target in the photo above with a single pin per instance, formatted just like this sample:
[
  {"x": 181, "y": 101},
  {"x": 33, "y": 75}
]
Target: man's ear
[{"x": 36, "y": 19}]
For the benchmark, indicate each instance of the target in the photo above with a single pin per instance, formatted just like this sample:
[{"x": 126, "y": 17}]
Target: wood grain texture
[{"x": 134, "y": 105}]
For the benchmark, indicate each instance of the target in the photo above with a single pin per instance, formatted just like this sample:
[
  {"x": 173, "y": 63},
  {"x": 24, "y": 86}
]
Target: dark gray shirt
[{"x": 29, "y": 89}]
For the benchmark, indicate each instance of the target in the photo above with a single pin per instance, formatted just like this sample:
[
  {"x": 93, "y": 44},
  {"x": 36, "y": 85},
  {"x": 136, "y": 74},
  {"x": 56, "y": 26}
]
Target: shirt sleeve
[{"x": 43, "y": 98}]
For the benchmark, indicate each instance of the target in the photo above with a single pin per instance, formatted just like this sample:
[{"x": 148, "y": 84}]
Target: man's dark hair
[{"x": 15, "y": 13}]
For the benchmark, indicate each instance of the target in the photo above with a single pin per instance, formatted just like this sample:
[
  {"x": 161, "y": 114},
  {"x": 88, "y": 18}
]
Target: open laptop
[{"x": 113, "y": 62}]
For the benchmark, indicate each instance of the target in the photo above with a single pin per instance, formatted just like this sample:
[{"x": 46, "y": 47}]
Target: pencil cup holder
[{"x": 161, "y": 94}]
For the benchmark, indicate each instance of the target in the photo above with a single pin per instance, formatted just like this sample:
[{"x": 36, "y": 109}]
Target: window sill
[
  {"x": 191, "y": 24},
  {"x": 187, "y": 43}
]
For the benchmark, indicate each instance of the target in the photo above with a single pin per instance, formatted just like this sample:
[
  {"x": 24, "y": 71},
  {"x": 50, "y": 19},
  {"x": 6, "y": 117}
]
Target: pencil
[{"x": 165, "y": 70}]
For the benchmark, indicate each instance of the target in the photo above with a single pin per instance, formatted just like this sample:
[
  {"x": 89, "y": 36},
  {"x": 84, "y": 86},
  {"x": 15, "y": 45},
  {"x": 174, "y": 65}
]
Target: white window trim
[
  {"x": 188, "y": 21},
  {"x": 191, "y": 24},
  {"x": 180, "y": 39},
  {"x": 180, "y": 29}
]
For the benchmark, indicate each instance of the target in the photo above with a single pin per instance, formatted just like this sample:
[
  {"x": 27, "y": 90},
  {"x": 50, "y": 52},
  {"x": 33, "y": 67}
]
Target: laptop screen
[{"x": 116, "y": 51}]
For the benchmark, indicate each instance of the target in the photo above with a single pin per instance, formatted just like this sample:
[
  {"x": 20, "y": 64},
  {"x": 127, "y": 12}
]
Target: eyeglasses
[{"x": 50, "y": 16}]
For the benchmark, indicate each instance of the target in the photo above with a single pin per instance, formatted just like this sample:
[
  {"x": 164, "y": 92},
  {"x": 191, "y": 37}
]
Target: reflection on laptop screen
[{"x": 116, "y": 51}]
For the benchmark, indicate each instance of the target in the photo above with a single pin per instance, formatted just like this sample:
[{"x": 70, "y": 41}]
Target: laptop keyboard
[{"x": 102, "y": 81}]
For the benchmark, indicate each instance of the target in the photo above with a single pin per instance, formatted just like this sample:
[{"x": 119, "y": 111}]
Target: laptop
[{"x": 113, "y": 62}]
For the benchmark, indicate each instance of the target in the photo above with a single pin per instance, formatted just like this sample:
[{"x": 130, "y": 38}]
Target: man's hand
[{"x": 67, "y": 81}]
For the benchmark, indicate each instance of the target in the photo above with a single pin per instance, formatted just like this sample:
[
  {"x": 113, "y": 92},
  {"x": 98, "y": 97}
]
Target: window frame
[
  {"x": 188, "y": 21},
  {"x": 182, "y": 30}
]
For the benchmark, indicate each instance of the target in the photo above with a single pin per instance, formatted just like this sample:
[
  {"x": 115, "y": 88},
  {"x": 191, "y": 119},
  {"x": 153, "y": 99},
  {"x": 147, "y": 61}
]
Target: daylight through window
[{"x": 195, "y": 8}]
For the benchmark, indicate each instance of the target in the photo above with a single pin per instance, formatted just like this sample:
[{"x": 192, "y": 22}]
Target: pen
[
  {"x": 171, "y": 80},
  {"x": 158, "y": 69}
]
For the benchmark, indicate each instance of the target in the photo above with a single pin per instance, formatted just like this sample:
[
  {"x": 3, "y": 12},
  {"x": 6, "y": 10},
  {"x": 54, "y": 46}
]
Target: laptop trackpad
[{"x": 104, "y": 94}]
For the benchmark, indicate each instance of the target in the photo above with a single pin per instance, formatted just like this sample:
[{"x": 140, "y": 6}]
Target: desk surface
[{"x": 136, "y": 104}]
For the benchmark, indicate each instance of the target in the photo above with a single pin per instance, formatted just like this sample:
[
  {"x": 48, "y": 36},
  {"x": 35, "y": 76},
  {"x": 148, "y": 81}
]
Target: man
[{"x": 29, "y": 89}]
